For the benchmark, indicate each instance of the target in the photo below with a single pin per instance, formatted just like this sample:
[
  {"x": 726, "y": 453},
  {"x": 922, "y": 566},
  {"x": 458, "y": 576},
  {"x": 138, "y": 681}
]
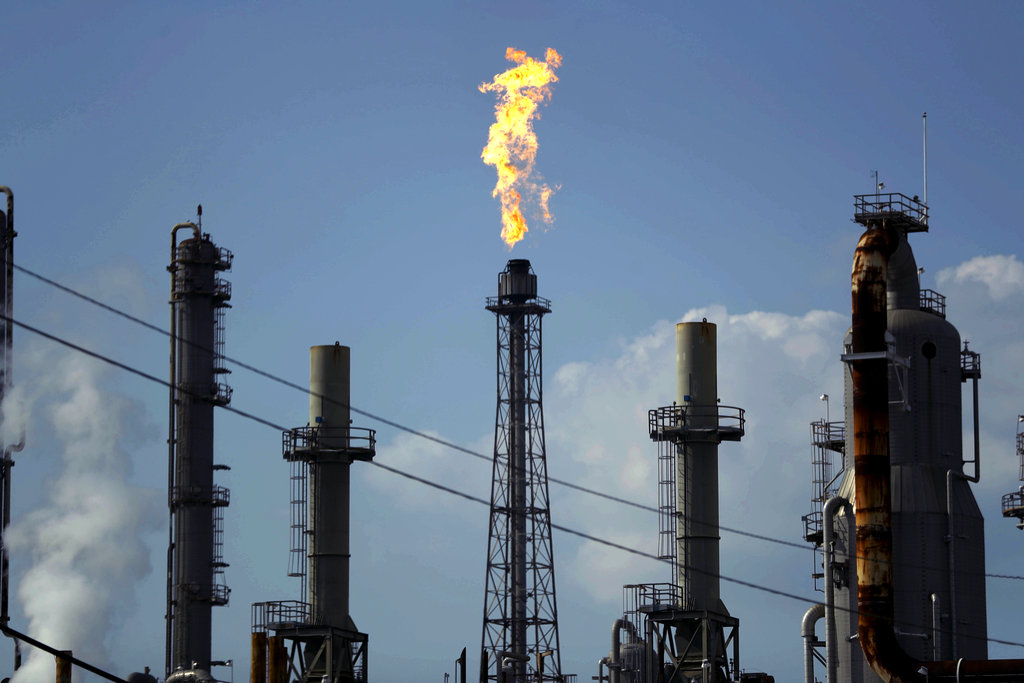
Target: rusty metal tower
[
  {"x": 520, "y": 627},
  {"x": 195, "y": 566}
]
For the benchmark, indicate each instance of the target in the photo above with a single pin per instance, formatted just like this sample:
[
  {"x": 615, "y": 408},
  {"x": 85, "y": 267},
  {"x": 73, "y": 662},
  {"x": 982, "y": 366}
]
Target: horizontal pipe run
[{"x": 11, "y": 633}]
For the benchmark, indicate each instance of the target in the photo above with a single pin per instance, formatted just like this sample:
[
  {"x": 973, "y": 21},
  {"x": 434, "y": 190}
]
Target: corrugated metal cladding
[{"x": 925, "y": 442}]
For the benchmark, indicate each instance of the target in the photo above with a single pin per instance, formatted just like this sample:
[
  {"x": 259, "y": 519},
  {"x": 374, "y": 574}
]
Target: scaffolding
[
  {"x": 827, "y": 441},
  {"x": 1013, "y": 502}
]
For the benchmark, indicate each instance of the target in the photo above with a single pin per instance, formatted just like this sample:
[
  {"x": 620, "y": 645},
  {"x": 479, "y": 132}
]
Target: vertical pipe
[
  {"x": 277, "y": 660},
  {"x": 172, "y": 441},
  {"x": 869, "y": 379},
  {"x": 936, "y": 628},
  {"x": 924, "y": 124},
  {"x": 64, "y": 666},
  {"x": 951, "y": 558},
  {"x": 697, "y": 544},
  {"x": 329, "y": 485},
  {"x": 5, "y": 381},
  {"x": 258, "y": 658},
  {"x": 811, "y": 617},
  {"x": 517, "y": 452},
  {"x": 828, "y": 513}
]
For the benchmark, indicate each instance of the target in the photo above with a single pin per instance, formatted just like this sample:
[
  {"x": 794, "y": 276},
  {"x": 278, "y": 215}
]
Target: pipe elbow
[{"x": 811, "y": 617}]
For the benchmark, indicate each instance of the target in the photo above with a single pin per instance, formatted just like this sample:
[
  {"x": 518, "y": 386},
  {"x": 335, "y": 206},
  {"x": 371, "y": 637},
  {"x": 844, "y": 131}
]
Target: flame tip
[{"x": 512, "y": 144}]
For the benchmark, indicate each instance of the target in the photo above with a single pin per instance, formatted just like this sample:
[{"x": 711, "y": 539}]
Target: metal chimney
[
  {"x": 688, "y": 433},
  {"x": 326, "y": 646}
]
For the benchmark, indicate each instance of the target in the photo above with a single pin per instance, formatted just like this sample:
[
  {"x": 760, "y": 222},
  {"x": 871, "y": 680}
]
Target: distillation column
[
  {"x": 195, "y": 565},
  {"x": 520, "y": 628}
]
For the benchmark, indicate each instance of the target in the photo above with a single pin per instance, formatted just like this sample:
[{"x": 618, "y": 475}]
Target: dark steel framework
[
  {"x": 828, "y": 441},
  {"x": 7, "y": 236},
  {"x": 1013, "y": 502},
  {"x": 195, "y": 566},
  {"x": 520, "y": 625}
]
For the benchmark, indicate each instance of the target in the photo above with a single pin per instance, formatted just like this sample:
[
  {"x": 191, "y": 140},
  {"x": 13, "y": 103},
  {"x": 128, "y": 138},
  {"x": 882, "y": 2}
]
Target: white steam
[{"x": 85, "y": 544}]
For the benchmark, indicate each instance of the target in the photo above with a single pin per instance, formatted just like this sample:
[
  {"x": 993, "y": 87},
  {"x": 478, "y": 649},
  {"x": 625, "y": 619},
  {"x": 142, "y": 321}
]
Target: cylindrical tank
[
  {"x": 329, "y": 485},
  {"x": 925, "y": 441}
]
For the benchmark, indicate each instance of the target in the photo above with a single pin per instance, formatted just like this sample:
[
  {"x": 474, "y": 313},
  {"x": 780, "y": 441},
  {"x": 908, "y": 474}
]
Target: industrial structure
[
  {"x": 681, "y": 631},
  {"x": 1013, "y": 502},
  {"x": 520, "y": 624},
  {"x": 195, "y": 563},
  {"x": 7, "y": 235},
  {"x": 314, "y": 639},
  {"x": 901, "y": 536}
]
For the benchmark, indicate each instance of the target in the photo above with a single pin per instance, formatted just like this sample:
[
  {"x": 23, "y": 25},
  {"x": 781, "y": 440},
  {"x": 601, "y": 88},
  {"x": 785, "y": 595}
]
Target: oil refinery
[{"x": 895, "y": 529}]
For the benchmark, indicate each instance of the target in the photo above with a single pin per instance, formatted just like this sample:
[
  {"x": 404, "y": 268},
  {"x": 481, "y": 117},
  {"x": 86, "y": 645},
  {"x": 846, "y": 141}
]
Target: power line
[
  {"x": 427, "y": 482},
  {"x": 391, "y": 423}
]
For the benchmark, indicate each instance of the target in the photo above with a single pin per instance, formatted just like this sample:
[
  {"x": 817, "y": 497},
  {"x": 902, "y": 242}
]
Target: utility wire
[
  {"x": 391, "y": 423},
  {"x": 427, "y": 482}
]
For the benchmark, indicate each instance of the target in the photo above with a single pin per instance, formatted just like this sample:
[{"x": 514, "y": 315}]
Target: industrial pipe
[
  {"x": 258, "y": 658},
  {"x": 5, "y": 512},
  {"x": 869, "y": 374},
  {"x": 64, "y": 666},
  {"x": 18, "y": 636},
  {"x": 277, "y": 658},
  {"x": 828, "y": 513},
  {"x": 615, "y": 665},
  {"x": 171, "y": 443},
  {"x": 811, "y": 617}
]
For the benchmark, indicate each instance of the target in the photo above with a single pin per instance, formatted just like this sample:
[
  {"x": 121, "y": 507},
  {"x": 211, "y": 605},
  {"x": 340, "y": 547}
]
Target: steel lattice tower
[{"x": 520, "y": 627}]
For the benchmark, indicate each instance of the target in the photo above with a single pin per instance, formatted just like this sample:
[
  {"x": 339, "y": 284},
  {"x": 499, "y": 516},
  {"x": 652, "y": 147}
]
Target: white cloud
[{"x": 1002, "y": 274}]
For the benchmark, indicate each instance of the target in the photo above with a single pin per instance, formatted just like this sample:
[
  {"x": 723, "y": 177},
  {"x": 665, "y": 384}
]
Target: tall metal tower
[
  {"x": 195, "y": 566},
  {"x": 520, "y": 628}
]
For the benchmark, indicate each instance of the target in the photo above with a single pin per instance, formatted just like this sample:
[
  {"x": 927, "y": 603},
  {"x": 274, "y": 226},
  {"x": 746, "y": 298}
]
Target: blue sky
[{"x": 706, "y": 155}]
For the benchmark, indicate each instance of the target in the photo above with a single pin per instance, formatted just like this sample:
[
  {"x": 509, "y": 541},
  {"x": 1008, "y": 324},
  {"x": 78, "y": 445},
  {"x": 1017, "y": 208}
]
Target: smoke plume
[{"x": 85, "y": 544}]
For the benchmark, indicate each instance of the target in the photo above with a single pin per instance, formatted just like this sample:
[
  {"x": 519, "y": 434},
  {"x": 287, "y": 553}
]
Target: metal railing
[
  {"x": 674, "y": 419},
  {"x": 278, "y": 613},
  {"x": 896, "y": 209},
  {"x": 1013, "y": 504},
  {"x": 328, "y": 438},
  {"x": 218, "y": 496},
  {"x": 933, "y": 302}
]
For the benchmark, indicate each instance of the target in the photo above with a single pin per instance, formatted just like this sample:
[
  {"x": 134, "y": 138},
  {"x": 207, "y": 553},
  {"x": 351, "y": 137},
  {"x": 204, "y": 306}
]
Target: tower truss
[{"x": 520, "y": 625}]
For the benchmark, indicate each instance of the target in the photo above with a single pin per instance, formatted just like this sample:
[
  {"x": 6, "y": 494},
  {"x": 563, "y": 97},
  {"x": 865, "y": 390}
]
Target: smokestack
[
  {"x": 688, "y": 433},
  {"x": 329, "y": 486},
  {"x": 697, "y": 553}
]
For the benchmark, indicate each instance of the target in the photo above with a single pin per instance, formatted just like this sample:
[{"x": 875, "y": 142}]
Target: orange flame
[{"x": 512, "y": 144}]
